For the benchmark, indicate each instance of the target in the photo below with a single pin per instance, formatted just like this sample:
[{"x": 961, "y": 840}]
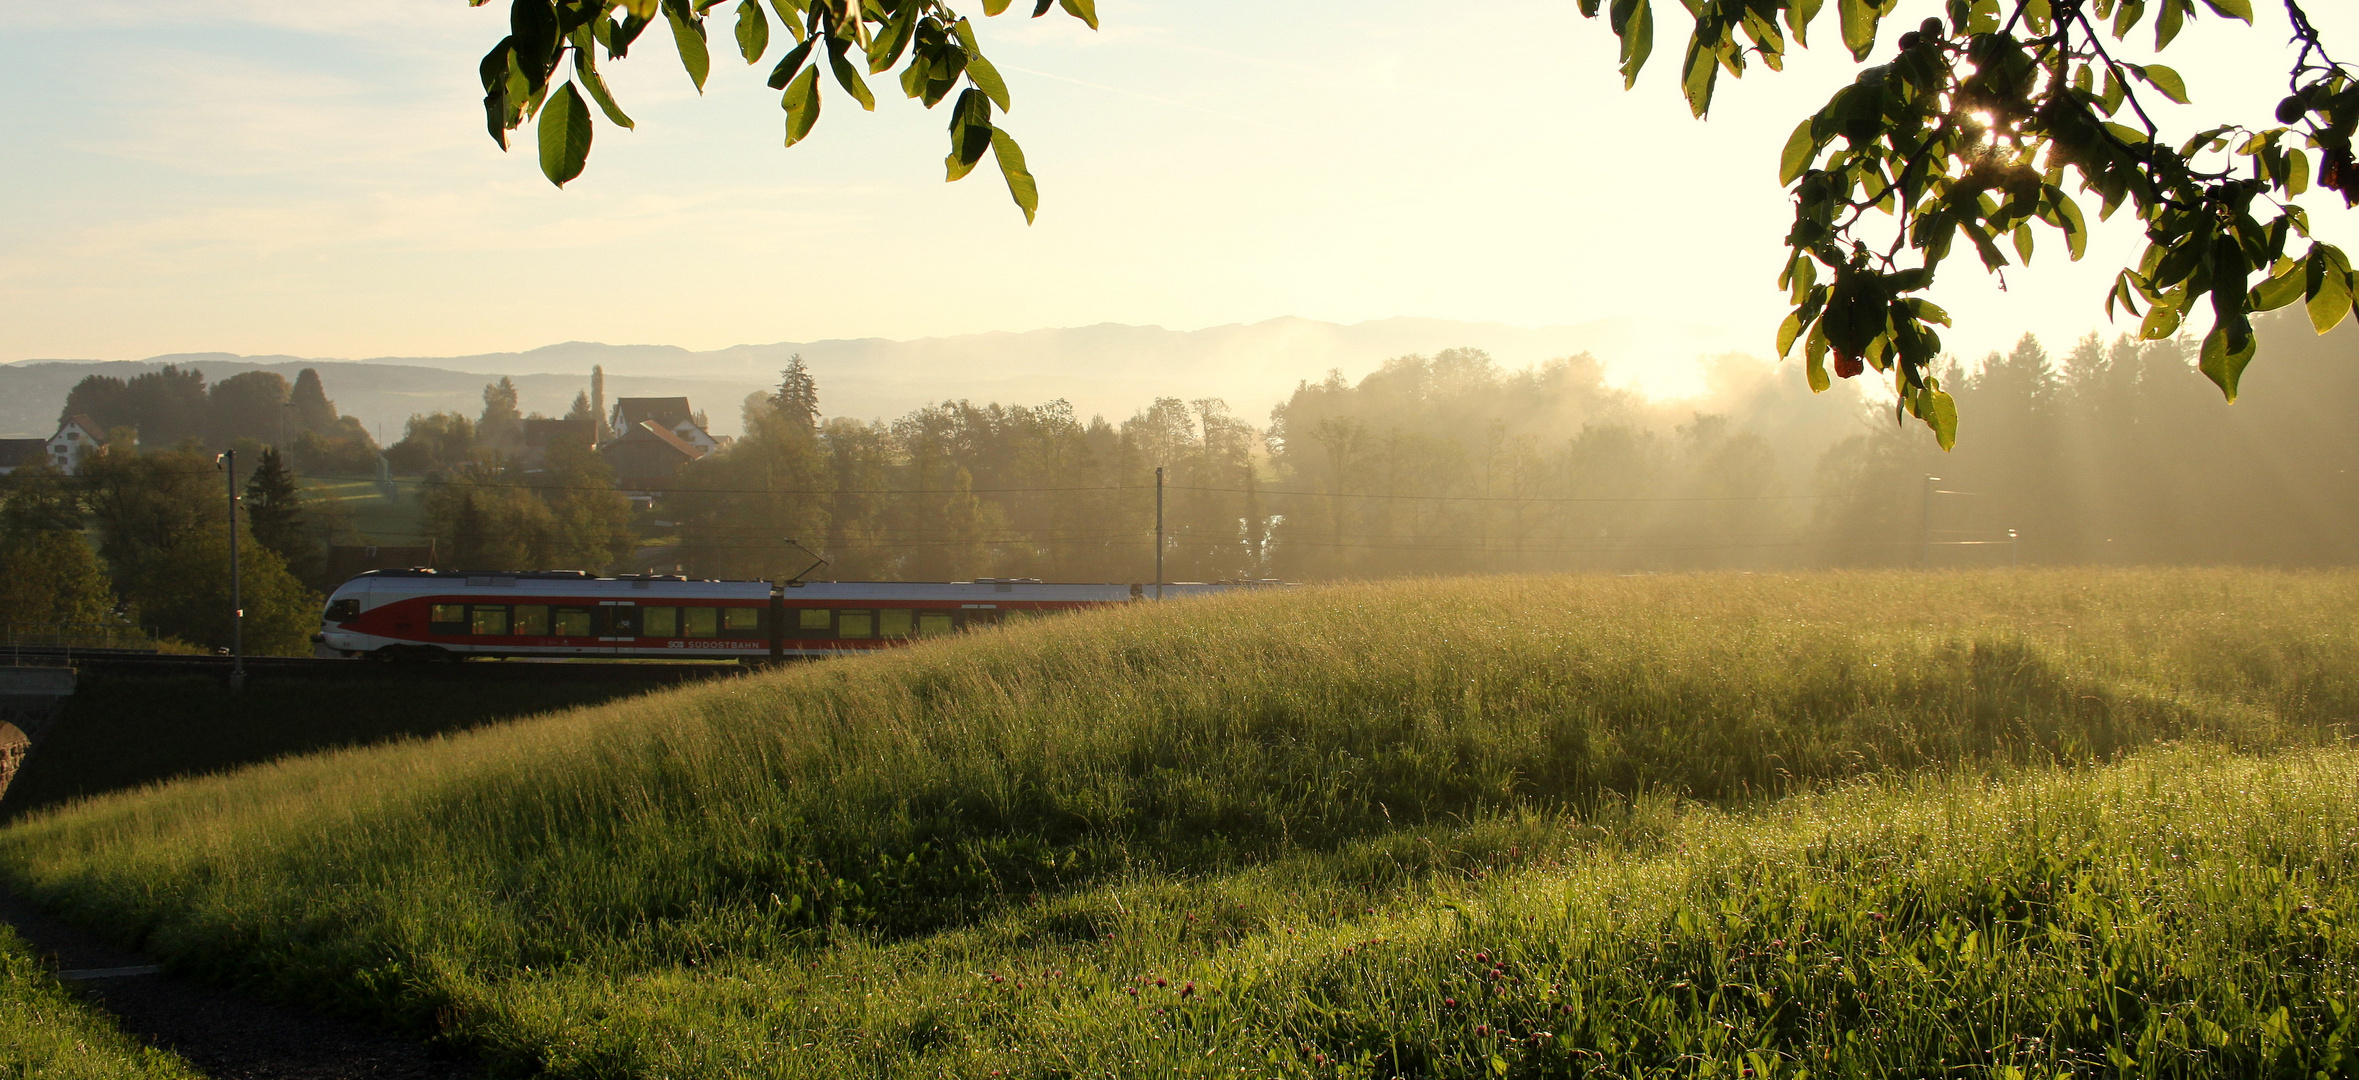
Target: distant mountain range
[{"x": 1108, "y": 369}]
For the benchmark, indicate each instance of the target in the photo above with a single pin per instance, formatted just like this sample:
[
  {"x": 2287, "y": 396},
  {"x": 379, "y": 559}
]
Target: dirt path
[{"x": 223, "y": 1033}]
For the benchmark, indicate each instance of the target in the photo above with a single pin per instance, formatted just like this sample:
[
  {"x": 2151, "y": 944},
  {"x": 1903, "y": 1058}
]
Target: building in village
[
  {"x": 652, "y": 438},
  {"x": 76, "y": 436},
  {"x": 541, "y": 434}
]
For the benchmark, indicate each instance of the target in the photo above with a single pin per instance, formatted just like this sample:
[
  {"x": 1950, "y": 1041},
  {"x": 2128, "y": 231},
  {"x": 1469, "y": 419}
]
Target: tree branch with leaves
[
  {"x": 546, "y": 69},
  {"x": 1971, "y": 131}
]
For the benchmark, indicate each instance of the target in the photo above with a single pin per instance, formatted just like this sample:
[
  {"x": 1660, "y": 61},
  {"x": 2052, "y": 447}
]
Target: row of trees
[
  {"x": 174, "y": 405},
  {"x": 2115, "y": 453},
  {"x": 162, "y": 559}
]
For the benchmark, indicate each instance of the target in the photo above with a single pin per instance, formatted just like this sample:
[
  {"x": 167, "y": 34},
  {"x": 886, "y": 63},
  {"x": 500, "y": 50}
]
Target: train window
[
  {"x": 659, "y": 622},
  {"x": 815, "y": 618},
  {"x": 748, "y": 619},
  {"x": 532, "y": 619},
  {"x": 893, "y": 622},
  {"x": 344, "y": 610},
  {"x": 488, "y": 619},
  {"x": 447, "y": 618},
  {"x": 933, "y": 622},
  {"x": 854, "y": 624},
  {"x": 574, "y": 622},
  {"x": 700, "y": 621}
]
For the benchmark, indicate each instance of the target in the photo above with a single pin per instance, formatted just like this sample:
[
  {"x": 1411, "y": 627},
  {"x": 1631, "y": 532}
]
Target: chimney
[{"x": 598, "y": 400}]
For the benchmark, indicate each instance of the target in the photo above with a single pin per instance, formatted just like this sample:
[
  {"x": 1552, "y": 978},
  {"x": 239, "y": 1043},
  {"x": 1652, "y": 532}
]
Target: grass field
[
  {"x": 46, "y": 1034},
  {"x": 1839, "y": 824},
  {"x": 373, "y": 512}
]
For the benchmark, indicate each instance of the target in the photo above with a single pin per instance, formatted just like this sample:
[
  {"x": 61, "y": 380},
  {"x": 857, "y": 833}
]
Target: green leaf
[
  {"x": 1940, "y": 412},
  {"x": 802, "y": 105},
  {"x": 565, "y": 136},
  {"x": 2168, "y": 21},
  {"x": 2167, "y": 81},
  {"x": 753, "y": 31},
  {"x": 2162, "y": 320},
  {"x": 994, "y": 7},
  {"x": 688, "y": 36},
  {"x": 849, "y": 78},
  {"x": 1801, "y": 150},
  {"x": 588, "y": 74},
  {"x": 791, "y": 63},
  {"x": 2328, "y": 290},
  {"x": 2222, "y": 366},
  {"x": 2283, "y": 289},
  {"x": 1702, "y": 74},
  {"x": 2240, "y": 10},
  {"x": 1084, "y": 10},
  {"x": 1817, "y": 361},
  {"x": 1634, "y": 23},
  {"x": 1799, "y": 13},
  {"x": 987, "y": 77},
  {"x": 2076, "y": 227},
  {"x": 1787, "y": 332},
  {"x": 970, "y": 132},
  {"x": 1019, "y": 181},
  {"x": 1859, "y": 25}
]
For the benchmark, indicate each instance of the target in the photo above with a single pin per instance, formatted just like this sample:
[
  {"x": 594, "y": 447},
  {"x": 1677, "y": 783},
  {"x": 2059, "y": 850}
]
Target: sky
[{"x": 256, "y": 176}]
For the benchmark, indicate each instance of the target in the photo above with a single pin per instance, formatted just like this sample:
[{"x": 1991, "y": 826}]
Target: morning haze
[{"x": 1349, "y": 591}]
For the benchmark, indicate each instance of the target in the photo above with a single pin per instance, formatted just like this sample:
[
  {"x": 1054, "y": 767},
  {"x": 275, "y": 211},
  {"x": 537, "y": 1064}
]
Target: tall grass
[
  {"x": 45, "y": 1034},
  {"x": 576, "y": 891}
]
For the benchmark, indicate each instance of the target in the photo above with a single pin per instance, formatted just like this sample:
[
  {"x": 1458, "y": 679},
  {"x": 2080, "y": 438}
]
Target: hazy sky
[{"x": 275, "y": 177}]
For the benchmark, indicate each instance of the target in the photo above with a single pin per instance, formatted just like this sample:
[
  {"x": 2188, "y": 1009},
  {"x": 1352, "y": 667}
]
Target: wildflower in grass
[
  {"x": 1188, "y": 991},
  {"x": 1449, "y": 1003}
]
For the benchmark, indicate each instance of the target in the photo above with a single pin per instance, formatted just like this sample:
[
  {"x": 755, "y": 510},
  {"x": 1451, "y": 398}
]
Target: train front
[{"x": 336, "y": 632}]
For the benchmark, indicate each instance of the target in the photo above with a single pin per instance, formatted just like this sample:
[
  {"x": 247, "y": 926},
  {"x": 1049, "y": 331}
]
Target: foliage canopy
[{"x": 1971, "y": 131}]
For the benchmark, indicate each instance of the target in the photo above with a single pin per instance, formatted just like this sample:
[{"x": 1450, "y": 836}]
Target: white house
[{"x": 77, "y": 436}]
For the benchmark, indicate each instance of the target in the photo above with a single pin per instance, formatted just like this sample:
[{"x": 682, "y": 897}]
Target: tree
[
  {"x": 309, "y": 400},
  {"x": 248, "y": 405},
  {"x": 1969, "y": 132},
  {"x": 53, "y": 581},
  {"x": 797, "y": 400},
  {"x": 146, "y": 505},
  {"x": 184, "y": 594},
  {"x": 433, "y": 441},
  {"x": 275, "y": 511},
  {"x": 37, "y": 498},
  {"x": 589, "y": 520},
  {"x": 502, "y": 425}
]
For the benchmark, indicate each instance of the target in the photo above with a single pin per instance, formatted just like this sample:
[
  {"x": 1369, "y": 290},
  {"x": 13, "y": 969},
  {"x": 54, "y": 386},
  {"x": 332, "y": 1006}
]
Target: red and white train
[{"x": 425, "y": 614}]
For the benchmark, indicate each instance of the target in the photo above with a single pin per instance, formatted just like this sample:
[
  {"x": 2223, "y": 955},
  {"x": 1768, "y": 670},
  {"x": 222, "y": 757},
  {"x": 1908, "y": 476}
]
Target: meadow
[
  {"x": 1846, "y": 824},
  {"x": 51, "y": 1035}
]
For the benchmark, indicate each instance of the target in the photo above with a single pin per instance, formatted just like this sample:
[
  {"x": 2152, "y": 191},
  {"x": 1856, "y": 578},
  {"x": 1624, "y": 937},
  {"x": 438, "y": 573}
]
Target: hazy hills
[{"x": 1108, "y": 368}]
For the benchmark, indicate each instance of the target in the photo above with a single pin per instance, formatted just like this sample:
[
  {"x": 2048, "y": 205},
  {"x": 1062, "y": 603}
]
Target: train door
[{"x": 618, "y": 625}]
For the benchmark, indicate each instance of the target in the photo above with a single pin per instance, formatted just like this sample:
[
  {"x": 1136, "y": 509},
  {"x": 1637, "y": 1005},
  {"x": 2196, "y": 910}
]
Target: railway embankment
[{"x": 2047, "y": 823}]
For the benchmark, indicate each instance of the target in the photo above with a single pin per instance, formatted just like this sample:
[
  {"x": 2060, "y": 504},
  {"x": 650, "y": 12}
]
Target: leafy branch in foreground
[
  {"x": 932, "y": 44},
  {"x": 1971, "y": 131}
]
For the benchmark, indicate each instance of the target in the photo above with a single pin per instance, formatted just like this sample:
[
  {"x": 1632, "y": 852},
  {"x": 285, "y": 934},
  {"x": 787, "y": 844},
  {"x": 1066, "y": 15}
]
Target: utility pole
[
  {"x": 2012, "y": 541},
  {"x": 1158, "y": 532},
  {"x": 237, "y": 605},
  {"x": 1925, "y": 528}
]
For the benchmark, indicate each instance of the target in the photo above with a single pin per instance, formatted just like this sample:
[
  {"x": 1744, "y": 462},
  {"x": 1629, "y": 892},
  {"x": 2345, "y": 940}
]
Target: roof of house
[
  {"x": 15, "y": 453},
  {"x": 674, "y": 441},
  {"x": 667, "y": 411},
  {"x": 541, "y": 432},
  {"x": 83, "y": 421}
]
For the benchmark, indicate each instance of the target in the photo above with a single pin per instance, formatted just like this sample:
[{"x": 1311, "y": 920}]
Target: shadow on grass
[{"x": 122, "y": 731}]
